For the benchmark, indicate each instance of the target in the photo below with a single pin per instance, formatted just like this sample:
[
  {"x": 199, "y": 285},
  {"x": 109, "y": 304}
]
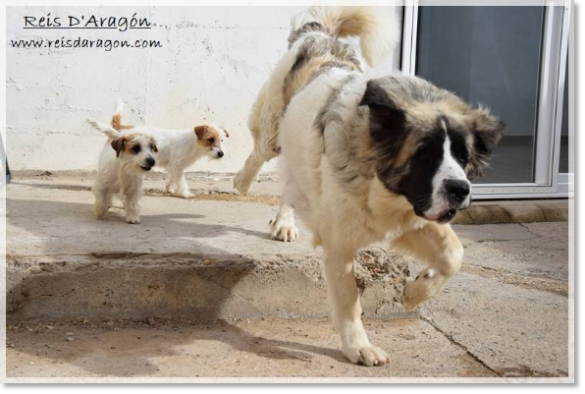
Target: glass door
[
  {"x": 509, "y": 59},
  {"x": 489, "y": 56}
]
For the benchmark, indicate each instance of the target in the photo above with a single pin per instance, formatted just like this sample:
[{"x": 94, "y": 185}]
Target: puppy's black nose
[
  {"x": 457, "y": 190},
  {"x": 150, "y": 161},
  {"x": 220, "y": 154}
]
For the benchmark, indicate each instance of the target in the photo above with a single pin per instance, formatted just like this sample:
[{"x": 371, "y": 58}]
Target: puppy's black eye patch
[
  {"x": 459, "y": 148},
  {"x": 211, "y": 140},
  {"x": 136, "y": 149}
]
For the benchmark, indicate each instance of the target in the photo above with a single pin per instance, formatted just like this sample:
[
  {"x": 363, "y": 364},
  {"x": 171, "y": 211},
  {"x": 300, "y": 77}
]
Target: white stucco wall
[{"x": 211, "y": 66}]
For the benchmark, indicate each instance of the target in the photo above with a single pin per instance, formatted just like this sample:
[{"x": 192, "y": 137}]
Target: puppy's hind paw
[{"x": 186, "y": 194}]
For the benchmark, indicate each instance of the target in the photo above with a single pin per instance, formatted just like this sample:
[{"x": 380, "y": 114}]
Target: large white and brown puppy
[{"x": 366, "y": 159}]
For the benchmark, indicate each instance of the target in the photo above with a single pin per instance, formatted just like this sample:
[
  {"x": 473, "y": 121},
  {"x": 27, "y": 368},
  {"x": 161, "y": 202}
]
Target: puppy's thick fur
[
  {"x": 178, "y": 149},
  {"x": 123, "y": 162},
  {"x": 366, "y": 159}
]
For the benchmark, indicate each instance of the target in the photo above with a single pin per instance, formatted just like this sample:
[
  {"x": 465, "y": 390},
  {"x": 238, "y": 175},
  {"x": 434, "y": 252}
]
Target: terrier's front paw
[
  {"x": 284, "y": 230},
  {"x": 99, "y": 211},
  {"x": 132, "y": 219},
  {"x": 368, "y": 355},
  {"x": 428, "y": 284}
]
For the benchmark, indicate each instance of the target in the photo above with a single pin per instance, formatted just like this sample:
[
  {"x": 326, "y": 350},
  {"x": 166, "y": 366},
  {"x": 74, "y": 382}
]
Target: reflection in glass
[{"x": 489, "y": 55}]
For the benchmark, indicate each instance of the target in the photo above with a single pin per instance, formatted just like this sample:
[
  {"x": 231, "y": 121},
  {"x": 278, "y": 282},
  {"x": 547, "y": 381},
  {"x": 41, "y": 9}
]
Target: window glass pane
[{"x": 489, "y": 55}]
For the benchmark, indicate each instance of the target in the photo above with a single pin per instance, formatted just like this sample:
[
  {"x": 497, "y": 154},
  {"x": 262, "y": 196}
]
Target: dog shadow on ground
[
  {"x": 134, "y": 352},
  {"x": 69, "y": 228}
]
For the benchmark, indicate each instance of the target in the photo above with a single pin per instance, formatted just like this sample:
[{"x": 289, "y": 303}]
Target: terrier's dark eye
[
  {"x": 211, "y": 140},
  {"x": 152, "y": 148},
  {"x": 136, "y": 149}
]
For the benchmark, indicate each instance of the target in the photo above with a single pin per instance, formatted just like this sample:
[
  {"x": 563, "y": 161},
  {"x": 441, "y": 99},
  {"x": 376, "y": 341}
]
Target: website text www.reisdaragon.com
[{"x": 65, "y": 43}]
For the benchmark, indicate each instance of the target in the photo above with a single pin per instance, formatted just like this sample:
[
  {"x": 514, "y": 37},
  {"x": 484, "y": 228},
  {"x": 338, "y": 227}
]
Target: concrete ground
[
  {"x": 244, "y": 349},
  {"x": 200, "y": 289}
]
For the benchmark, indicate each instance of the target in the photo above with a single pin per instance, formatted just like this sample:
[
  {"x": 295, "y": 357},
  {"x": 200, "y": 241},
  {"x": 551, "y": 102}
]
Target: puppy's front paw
[
  {"x": 284, "y": 230},
  {"x": 368, "y": 355},
  {"x": 428, "y": 284},
  {"x": 132, "y": 219},
  {"x": 99, "y": 211}
]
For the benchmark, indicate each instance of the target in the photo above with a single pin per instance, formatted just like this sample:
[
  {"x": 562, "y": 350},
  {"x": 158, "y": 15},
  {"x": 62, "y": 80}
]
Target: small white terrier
[
  {"x": 123, "y": 162},
  {"x": 178, "y": 149}
]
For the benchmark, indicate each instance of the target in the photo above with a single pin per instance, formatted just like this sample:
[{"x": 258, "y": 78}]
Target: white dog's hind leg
[
  {"x": 244, "y": 178},
  {"x": 344, "y": 299},
  {"x": 283, "y": 226},
  {"x": 438, "y": 245}
]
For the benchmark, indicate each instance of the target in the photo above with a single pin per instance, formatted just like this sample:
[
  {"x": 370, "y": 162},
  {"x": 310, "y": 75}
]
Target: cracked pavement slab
[{"x": 511, "y": 330}]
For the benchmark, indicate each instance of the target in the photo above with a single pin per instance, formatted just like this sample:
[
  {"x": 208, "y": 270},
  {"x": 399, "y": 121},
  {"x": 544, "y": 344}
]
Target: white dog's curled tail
[
  {"x": 377, "y": 27},
  {"x": 117, "y": 117},
  {"x": 119, "y": 108},
  {"x": 104, "y": 128}
]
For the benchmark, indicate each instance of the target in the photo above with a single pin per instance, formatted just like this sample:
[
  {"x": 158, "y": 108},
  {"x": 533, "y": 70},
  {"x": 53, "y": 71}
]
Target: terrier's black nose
[
  {"x": 457, "y": 190},
  {"x": 220, "y": 154},
  {"x": 150, "y": 161}
]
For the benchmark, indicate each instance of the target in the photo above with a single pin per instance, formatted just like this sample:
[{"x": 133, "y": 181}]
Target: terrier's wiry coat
[
  {"x": 178, "y": 149},
  {"x": 123, "y": 162},
  {"x": 366, "y": 159}
]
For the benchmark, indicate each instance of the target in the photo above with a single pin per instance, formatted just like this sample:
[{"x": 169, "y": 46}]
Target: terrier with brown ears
[
  {"x": 179, "y": 149},
  {"x": 123, "y": 162}
]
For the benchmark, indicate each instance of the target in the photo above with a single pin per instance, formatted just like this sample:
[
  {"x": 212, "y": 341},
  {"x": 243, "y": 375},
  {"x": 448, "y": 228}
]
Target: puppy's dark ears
[
  {"x": 487, "y": 132},
  {"x": 375, "y": 95},
  {"x": 118, "y": 145},
  {"x": 200, "y": 131},
  {"x": 386, "y": 118},
  {"x": 226, "y": 133},
  {"x": 153, "y": 146}
]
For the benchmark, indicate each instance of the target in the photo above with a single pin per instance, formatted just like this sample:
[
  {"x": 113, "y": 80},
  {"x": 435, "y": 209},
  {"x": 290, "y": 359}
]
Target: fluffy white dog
[{"x": 366, "y": 159}]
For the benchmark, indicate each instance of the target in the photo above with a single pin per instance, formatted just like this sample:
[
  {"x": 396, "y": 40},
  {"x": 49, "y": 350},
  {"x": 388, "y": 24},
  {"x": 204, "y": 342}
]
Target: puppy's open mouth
[
  {"x": 447, "y": 216},
  {"x": 444, "y": 217},
  {"x": 145, "y": 168}
]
